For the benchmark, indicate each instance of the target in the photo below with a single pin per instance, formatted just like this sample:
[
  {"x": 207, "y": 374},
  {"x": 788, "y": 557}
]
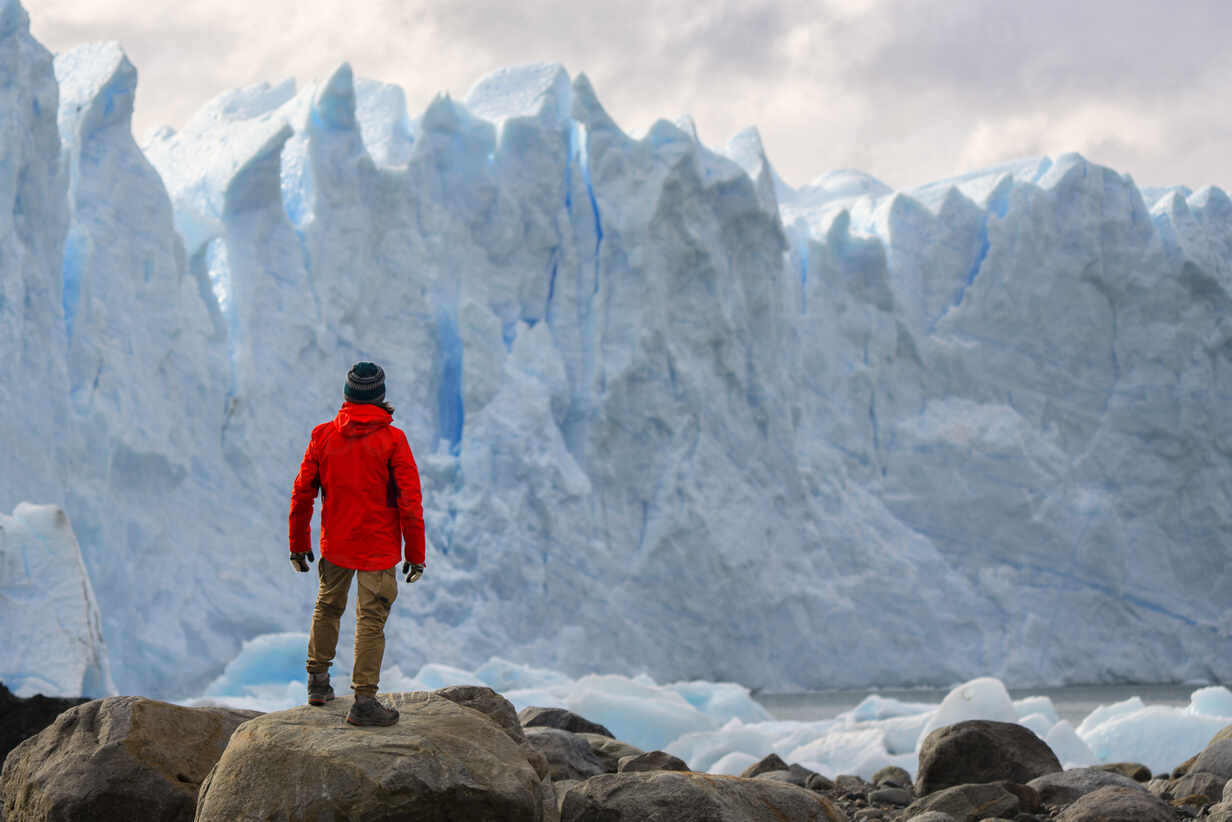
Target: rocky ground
[{"x": 462, "y": 753}]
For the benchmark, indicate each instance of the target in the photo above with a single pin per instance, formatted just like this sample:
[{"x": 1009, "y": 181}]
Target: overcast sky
[{"x": 907, "y": 90}]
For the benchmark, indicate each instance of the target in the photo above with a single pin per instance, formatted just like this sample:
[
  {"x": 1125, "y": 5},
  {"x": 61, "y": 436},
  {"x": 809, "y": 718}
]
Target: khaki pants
[{"x": 377, "y": 591}]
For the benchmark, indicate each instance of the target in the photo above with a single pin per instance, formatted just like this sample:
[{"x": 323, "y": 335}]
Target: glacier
[{"x": 672, "y": 415}]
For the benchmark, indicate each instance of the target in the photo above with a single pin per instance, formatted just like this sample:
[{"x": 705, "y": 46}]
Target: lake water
[{"x": 1072, "y": 702}]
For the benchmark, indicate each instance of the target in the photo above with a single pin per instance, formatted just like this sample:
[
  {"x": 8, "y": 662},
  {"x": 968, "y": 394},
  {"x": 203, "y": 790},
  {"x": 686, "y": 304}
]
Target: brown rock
[
  {"x": 123, "y": 757},
  {"x": 681, "y": 796},
  {"x": 609, "y": 751},
  {"x": 769, "y": 762},
  {"x": 968, "y": 803},
  {"x": 982, "y": 751},
  {"x": 561, "y": 719},
  {"x": 1056, "y": 790},
  {"x": 651, "y": 761},
  {"x": 569, "y": 755},
  {"x": 439, "y": 761},
  {"x": 489, "y": 703},
  {"x": 1131, "y": 770},
  {"x": 1197, "y": 783},
  {"x": 1115, "y": 804}
]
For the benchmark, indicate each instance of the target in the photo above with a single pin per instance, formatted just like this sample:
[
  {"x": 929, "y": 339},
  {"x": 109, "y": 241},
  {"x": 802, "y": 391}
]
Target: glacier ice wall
[{"x": 671, "y": 414}]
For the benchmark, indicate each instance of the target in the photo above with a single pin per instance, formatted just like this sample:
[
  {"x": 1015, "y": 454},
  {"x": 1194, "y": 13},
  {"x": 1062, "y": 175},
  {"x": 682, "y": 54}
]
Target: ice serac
[
  {"x": 150, "y": 365},
  {"x": 33, "y": 221},
  {"x": 54, "y": 643}
]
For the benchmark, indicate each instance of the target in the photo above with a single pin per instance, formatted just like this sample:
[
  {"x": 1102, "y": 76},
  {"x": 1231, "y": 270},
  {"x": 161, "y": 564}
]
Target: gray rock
[
  {"x": 487, "y": 702},
  {"x": 610, "y": 751},
  {"x": 440, "y": 761},
  {"x": 851, "y": 784},
  {"x": 500, "y": 710},
  {"x": 569, "y": 755},
  {"x": 1160, "y": 786},
  {"x": 818, "y": 782},
  {"x": 1057, "y": 790},
  {"x": 769, "y": 762},
  {"x": 122, "y": 757},
  {"x": 932, "y": 816},
  {"x": 891, "y": 795},
  {"x": 651, "y": 761},
  {"x": 1216, "y": 757},
  {"x": 892, "y": 775},
  {"x": 693, "y": 797},
  {"x": 1221, "y": 812},
  {"x": 1134, "y": 770},
  {"x": 981, "y": 750},
  {"x": 561, "y": 719},
  {"x": 796, "y": 775},
  {"x": 967, "y": 803},
  {"x": 1115, "y": 804},
  {"x": 1227, "y": 792},
  {"x": 1200, "y": 783}
]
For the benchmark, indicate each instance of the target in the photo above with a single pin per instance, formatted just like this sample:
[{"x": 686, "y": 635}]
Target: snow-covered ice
[{"x": 672, "y": 415}]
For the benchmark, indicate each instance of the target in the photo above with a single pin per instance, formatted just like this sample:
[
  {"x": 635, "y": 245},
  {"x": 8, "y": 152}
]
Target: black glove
[
  {"x": 413, "y": 571},
  {"x": 300, "y": 561}
]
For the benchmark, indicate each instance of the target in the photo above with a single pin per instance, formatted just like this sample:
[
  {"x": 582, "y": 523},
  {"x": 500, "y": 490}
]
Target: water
[{"x": 1073, "y": 702}]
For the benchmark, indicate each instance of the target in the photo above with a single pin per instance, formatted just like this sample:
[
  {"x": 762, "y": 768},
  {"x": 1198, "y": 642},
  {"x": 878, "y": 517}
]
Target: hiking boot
[
  {"x": 319, "y": 689},
  {"x": 368, "y": 711}
]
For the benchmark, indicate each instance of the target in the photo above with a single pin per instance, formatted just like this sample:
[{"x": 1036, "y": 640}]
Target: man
[{"x": 371, "y": 503}]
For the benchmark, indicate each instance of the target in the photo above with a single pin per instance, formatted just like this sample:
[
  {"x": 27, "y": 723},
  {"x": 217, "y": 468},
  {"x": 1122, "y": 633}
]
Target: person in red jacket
[{"x": 371, "y": 505}]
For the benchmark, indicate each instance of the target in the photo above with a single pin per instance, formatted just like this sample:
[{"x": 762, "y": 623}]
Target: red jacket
[{"x": 370, "y": 494}]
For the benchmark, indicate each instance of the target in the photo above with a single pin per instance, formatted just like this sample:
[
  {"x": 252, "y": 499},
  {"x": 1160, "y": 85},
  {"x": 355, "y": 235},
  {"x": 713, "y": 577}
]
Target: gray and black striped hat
[{"x": 365, "y": 383}]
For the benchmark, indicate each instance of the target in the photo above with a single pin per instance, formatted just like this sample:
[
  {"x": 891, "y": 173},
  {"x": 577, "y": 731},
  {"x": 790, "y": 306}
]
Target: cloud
[{"x": 908, "y": 90}]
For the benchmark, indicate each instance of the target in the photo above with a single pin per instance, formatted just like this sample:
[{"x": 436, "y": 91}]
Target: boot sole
[
  {"x": 370, "y": 724},
  {"x": 319, "y": 701}
]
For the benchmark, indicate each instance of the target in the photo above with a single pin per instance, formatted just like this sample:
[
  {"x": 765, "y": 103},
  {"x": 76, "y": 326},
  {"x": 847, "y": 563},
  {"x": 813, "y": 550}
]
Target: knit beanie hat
[{"x": 365, "y": 383}]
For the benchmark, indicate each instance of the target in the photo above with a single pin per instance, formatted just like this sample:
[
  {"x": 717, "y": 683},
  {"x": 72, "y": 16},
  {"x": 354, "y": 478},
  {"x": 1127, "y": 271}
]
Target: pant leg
[
  {"x": 331, "y": 602},
  {"x": 377, "y": 592}
]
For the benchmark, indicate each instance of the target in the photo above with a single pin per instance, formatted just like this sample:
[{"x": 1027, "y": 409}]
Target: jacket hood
[{"x": 360, "y": 419}]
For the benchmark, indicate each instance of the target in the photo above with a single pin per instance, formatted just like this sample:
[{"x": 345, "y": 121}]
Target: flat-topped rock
[{"x": 440, "y": 761}]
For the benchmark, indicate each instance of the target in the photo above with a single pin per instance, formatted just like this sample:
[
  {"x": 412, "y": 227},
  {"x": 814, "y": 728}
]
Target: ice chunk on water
[
  {"x": 1039, "y": 724},
  {"x": 1068, "y": 746},
  {"x": 983, "y": 698},
  {"x": 1213, "y": 701},
  {"x": 1160, "y": 737},
  {"x": 1041, "y": 705}
]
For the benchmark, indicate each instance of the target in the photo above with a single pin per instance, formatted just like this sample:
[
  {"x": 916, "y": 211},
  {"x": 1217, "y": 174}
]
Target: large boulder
[
  {"x": 1117, "y": 804},
  {"x": 981, "y": 750},
  {"x": 561, "y": 719},
  {"x": 123, "y": 757},
  {"x": 1057, "y": 790},
  {"x": 684, "y": 796},
  {"x": 21, "y": 719},
  {"x": 569, "y": 755},
  {"x": 440, "y": 761}
]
